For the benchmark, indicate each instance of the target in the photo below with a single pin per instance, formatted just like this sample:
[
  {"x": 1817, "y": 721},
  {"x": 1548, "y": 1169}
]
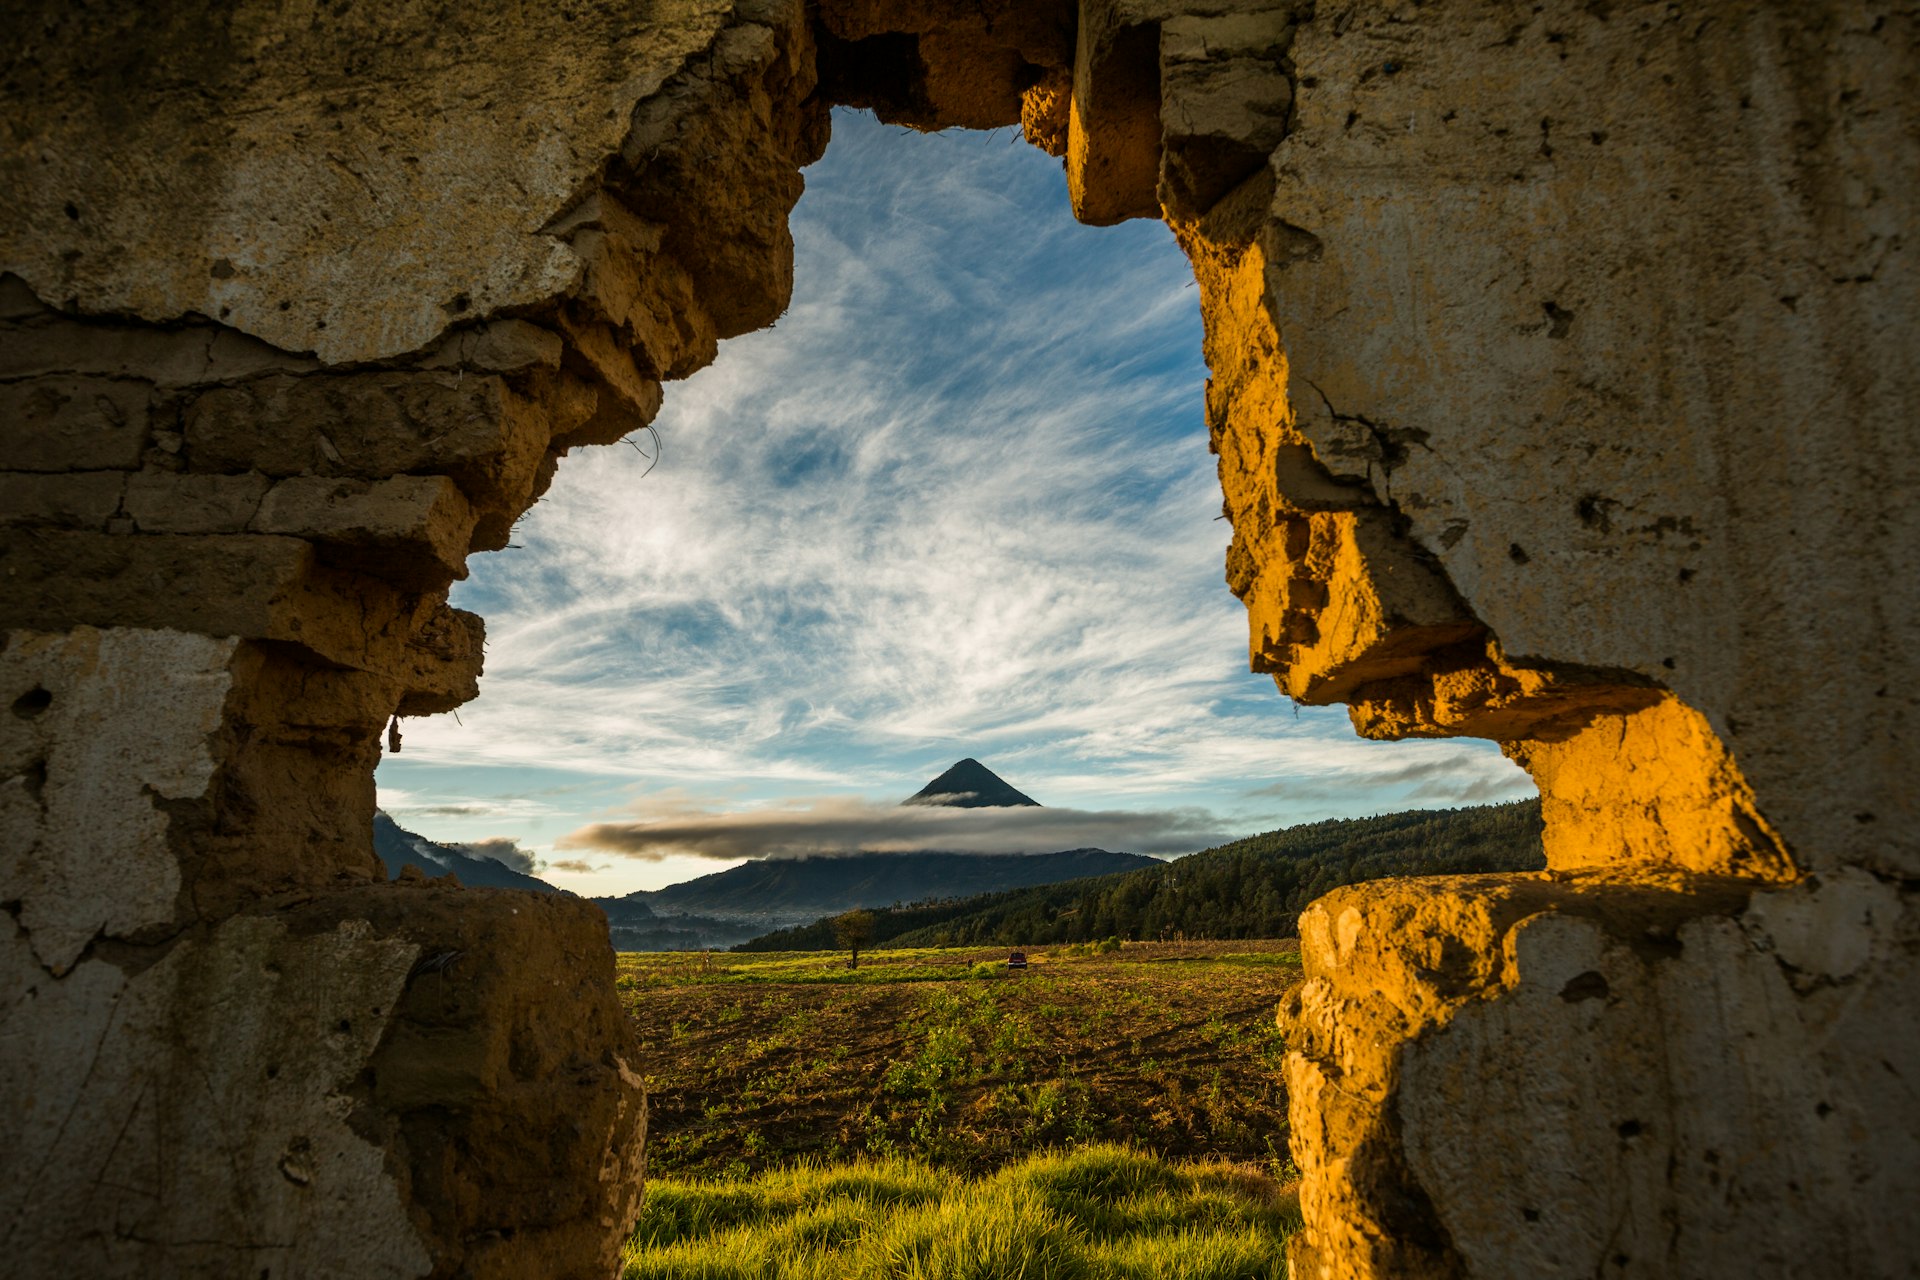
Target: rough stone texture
[
  {"x": 1567, "y": 1054},
  {"x": 346, "y": 185},
  {"x": 1561, "y": 394},
  {"x": 1580, "y": 307},
  {"x": 258, "y": 402},
  {"x": 1532, "y": 347},
  {"x": 381, "y": 1103},
  {"x": 936, "y": 64}
]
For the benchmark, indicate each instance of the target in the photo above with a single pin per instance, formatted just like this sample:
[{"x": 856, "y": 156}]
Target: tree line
[{"x": 1251, "y": 888}]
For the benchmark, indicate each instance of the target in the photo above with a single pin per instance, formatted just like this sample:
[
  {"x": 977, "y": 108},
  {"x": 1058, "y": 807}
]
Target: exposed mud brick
[
  {"x": 255, "y": 586},
  {"x": 1224, "y": 101},
  {"x": 72, "y": 424},
  {"x": 232, "y": 585},
  {"x": 371, "y": 426},
  {"x": 599, "y": 349},
  {"x": 443, "y": 662},
  {"x": 1473, "y": 690},
  {"x": 409, "y": 527},
  {"x": 1655, "y": 786},
  {"x": 185, "y": 502},
  {"x": 1046, "y": 109},
  {"x": 942, "y": 63},
  {"x": 726, "y": 223},
  {"x": 182, "y": 357},
  {"x": 403, "y": 1073},
  {"x": 589, "y": 412},
  {"x": 77, "y": 500},
  {"x": 500, "y": 346},
  {"x": 509, "y": 1058},
  {"x": 1113, "y": 134},
  {"x": 1338, "y": 601},
  {"x": 1434, "y": 1140}
]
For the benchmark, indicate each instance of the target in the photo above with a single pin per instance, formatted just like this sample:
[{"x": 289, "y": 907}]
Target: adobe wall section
[
  {"x": 1614, "y": 314},
  {"x": 1561, "y": 400},
  {"x": 294, "y": 318},
  {"x": 348, "y": 186},
  {"x": 1510, "y": 1076},
  {"x": 1562, "y": 397}
]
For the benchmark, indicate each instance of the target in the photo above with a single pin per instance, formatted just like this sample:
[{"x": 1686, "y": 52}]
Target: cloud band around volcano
[{"x": 841, "y": 826}]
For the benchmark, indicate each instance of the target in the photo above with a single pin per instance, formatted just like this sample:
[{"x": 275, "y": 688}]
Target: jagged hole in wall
[{"x": 957, "y": 501}]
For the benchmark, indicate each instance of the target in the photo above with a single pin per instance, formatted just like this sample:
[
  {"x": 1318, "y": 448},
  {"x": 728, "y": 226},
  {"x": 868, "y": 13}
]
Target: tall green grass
[{"x": 1087, "y": 1214}]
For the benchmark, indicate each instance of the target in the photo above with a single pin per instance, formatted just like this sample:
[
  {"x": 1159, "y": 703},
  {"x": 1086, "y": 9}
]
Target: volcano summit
[{"x": 971, "y": 785}]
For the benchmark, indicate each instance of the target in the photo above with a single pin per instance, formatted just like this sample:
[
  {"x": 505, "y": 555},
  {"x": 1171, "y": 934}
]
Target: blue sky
[{"x": 957, "y": 502}]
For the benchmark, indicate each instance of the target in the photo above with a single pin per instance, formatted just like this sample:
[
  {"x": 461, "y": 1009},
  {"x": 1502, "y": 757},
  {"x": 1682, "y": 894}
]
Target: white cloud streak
[
  {"x": 843, "y": 824},
  {"x": 959, "y": 501}
]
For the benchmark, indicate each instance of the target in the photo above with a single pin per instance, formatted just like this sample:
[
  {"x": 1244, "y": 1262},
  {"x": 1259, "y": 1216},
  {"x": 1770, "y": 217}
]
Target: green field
[
  {"x": 1094, "y": 1212},
  {"x": 757, "y": 1061},
  {"x": 1113, "y": 1111}
]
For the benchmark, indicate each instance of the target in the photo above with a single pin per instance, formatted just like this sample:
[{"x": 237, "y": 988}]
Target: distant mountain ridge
[
  {"x": 1250, "y": 888},
  {"x": 773, "y": 893},
  {"x": 971, "y": 785},
  {"x": 766, "y": 894},
  {"x": 398, "y": 846},
  {"x": 743, "y": 902}
]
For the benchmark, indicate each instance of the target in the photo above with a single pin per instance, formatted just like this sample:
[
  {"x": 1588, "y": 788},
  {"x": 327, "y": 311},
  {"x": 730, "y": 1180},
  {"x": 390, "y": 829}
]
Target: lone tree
[{"x": 853, "y": 930}]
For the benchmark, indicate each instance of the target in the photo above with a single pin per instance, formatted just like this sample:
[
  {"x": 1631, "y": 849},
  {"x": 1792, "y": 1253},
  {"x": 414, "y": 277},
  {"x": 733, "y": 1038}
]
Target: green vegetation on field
[
  {"x": 943, "y": 1055},
  {"x": 1251, "y": 888},
  {"x": 1098, "y": 1212}
]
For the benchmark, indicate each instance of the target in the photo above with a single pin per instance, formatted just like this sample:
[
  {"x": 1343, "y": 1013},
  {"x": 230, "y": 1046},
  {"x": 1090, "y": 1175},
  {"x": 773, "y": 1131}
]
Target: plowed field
[{"x": 754, "y": 1061}]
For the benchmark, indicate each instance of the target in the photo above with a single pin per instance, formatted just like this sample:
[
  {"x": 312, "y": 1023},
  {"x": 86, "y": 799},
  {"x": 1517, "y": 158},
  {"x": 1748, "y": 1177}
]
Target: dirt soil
[{"x": 754, "y": 1061}]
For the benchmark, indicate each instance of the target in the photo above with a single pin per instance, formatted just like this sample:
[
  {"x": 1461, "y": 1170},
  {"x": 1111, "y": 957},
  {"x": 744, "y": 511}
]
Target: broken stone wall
[
  {"x": 1561, "y": 393},
  {"x": 299, "y": 313},
  {"x": 1561, "y": 399}
]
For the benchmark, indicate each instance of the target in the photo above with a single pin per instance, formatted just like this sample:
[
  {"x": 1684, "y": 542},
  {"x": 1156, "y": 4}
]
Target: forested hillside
[{"x": 1251, "y": 888}]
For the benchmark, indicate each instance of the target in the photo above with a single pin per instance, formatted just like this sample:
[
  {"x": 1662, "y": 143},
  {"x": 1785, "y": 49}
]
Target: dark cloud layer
[
  {"x": 504, "y": 850},
  {"x": 857, "y": 826}
]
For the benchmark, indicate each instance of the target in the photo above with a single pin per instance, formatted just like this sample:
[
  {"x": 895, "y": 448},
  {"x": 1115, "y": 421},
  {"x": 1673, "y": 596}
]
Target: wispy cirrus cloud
[
  {"x": 957, "y": 502},
  {"x": 1418, "y": 772},
  {"x": 936, "y": 503}
]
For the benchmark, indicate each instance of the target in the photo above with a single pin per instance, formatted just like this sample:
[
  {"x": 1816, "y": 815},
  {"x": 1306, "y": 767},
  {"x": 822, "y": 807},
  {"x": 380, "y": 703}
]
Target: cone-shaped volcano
[{"x": 971, "y": 785}]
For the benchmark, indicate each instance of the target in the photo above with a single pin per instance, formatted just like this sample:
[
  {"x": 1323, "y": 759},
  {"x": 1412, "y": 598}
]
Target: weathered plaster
[
  {"x": 1609, "y": 311},
  {"x": 105, "y": 727},
  {"x": 344, "y": 183},
  {"x": 134, "y": 1151}
]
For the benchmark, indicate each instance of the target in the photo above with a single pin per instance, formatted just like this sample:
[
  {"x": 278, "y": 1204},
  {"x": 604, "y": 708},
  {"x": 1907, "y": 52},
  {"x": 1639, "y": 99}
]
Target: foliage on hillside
[
  {"x": 1251, "y": 888},
  {"x": 1097, "y": 1211},
  {"x": 770, "y": 893}
]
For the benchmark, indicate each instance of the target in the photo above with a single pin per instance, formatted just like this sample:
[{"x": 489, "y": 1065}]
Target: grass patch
[{"x": 1088, "y": 1214}]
